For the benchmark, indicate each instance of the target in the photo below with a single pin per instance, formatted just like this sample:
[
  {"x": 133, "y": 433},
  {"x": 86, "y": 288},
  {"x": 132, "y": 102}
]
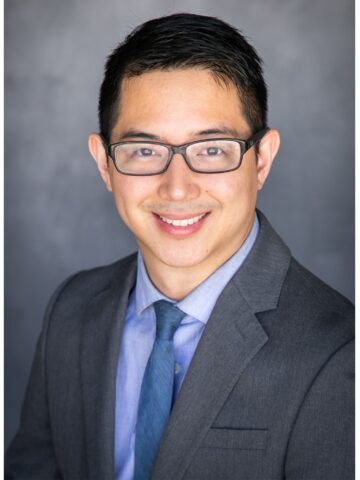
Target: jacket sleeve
[
  {"x": 321, "y": 444},
  {"x": 31, "y": 454}
]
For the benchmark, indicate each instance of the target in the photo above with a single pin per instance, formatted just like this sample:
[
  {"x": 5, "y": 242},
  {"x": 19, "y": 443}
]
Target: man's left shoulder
[
  {"x": 320, "y": 307},
  {"x": 322, "y": 294}
]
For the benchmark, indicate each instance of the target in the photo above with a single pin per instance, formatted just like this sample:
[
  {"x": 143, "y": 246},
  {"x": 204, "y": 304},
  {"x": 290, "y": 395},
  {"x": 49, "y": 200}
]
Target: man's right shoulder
[{"x": 85, "y": 285}]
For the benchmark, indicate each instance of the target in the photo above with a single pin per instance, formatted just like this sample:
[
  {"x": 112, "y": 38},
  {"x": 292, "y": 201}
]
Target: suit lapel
[
  {"x": 232, "y": 337},
  {"x": 103, "y": 322}
]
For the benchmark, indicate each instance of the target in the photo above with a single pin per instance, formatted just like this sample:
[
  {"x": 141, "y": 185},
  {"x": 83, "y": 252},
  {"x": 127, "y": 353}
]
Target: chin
[{"x": 181, "y": 258}]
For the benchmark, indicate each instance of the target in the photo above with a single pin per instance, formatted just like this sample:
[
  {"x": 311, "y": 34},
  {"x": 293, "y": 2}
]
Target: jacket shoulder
[
  {"x": 84, "y": 285},
  {"x": 315, "y": 306},
  {"x": 323, "y": 294}
]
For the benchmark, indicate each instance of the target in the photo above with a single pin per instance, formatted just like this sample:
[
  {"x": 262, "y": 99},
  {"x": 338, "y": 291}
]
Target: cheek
[
  {"x": 129, "y": 193},
  {"x": 233, "y": 188},
  {"x": 246, "y": 183}
]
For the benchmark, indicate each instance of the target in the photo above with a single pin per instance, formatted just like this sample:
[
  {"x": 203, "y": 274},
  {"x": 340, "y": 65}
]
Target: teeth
[{"x": 182, "y": 223}]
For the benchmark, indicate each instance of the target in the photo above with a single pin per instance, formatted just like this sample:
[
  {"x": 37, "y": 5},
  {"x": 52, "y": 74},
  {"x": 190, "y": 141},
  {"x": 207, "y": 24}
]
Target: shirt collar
[
  {"x": 146, "y": 293},
  {"x": 201, "y": 301}
]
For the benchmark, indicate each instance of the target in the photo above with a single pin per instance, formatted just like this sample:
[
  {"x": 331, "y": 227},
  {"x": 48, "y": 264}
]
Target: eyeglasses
[{"x": 213, "y": 155}]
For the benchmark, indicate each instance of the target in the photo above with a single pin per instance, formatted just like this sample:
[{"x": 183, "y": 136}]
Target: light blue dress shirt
[{"x": 138, "y": 339}]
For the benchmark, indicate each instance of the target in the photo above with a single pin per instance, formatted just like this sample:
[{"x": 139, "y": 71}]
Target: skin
[{"x": 177, "y": 107}]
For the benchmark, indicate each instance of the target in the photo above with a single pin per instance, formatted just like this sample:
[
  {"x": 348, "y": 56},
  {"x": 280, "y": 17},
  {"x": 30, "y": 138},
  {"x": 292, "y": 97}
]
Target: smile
[{"x": 183, "y": 222}]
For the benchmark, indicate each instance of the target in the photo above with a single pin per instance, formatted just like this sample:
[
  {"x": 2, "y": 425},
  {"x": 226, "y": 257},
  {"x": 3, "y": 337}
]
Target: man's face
[{"x": 176, "y": 107}]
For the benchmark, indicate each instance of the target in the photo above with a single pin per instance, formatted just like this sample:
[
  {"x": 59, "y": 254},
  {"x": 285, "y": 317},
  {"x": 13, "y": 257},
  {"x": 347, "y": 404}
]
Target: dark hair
[{"x": 183, "y": 41}]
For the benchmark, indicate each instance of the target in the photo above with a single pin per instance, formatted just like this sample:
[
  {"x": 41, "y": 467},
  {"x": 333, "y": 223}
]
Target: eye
[
  {"x": 144, "y": 152},
  {"x": 212, "y": 151}
]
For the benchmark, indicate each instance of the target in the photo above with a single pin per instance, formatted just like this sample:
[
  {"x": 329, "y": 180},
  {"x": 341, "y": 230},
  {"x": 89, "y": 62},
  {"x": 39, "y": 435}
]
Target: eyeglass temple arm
[{"x": 258, "y": 136}]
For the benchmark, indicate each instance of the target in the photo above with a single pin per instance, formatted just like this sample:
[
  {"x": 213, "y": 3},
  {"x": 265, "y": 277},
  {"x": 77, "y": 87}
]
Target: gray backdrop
[{"x": 59, "y": 217}]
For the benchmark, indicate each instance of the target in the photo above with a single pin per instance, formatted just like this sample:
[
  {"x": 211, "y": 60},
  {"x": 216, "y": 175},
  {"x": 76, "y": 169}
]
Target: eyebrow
[
  {"x": 221, "y": 130},
  {"x": 132, "y": 133}
]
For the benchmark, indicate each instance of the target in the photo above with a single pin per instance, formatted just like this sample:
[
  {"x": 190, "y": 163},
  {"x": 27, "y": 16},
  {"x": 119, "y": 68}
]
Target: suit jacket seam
[{"x": 316, "y": 376}]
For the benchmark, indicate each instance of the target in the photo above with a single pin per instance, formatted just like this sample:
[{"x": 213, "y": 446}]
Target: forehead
[{"x": 178, "y": 100}]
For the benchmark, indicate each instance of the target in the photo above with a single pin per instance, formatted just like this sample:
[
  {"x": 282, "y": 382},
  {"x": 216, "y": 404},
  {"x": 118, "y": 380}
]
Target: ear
[
  {"x": 98, "y": 152},
  {"x": 267, "y": 150}
]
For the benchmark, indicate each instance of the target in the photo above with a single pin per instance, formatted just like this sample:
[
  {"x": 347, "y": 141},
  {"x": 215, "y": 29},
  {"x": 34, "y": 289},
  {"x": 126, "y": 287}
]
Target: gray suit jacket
[{"x": 268, "y": 395}]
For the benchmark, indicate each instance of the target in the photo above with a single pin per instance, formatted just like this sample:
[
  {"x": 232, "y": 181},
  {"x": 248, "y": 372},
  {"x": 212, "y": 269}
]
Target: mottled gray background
[{"x": 59, "y": 218}]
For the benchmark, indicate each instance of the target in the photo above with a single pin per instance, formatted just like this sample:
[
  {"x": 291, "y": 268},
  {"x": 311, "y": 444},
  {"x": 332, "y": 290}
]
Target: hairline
[{"x": 220, "y": 78}]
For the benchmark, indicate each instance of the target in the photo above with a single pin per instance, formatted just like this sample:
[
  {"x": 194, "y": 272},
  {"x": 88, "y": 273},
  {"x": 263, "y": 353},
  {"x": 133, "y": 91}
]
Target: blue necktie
[{"x": 156, "y": 389}]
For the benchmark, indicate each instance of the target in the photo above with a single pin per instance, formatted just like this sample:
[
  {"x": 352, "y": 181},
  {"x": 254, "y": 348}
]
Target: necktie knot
[{"x": 168, "y": 318}]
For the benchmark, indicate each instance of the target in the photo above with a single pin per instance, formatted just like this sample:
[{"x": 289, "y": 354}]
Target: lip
[
  {"x": 179, "y": 231},
  {"x": 179, "y": 216}
]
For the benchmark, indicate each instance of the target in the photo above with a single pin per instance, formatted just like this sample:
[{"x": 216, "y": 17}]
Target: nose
[{"x": 179, "y": 183}]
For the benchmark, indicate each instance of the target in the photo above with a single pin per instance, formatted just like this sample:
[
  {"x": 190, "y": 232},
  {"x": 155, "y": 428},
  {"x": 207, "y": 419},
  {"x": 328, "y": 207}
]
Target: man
[{"x": 212, "y": 354}]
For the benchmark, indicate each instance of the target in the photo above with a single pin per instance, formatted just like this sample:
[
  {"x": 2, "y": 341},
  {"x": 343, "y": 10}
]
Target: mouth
[{"x": 184, "y": 224}]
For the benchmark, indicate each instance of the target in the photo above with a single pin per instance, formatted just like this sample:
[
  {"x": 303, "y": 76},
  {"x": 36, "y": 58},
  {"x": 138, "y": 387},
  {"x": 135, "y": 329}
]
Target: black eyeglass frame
[{"x": 245, "y": 145}]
